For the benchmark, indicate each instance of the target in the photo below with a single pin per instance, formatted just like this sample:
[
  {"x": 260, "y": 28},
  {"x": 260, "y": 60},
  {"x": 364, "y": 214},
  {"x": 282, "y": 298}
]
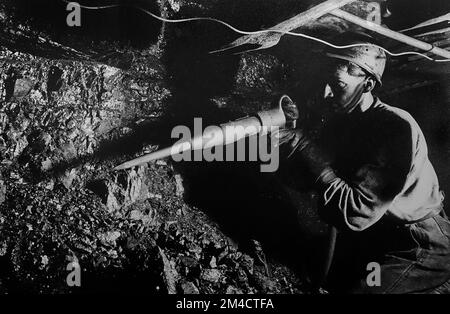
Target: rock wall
[
  {"x": 65, "y": 122},
  {"x": 75, "y": 103}
]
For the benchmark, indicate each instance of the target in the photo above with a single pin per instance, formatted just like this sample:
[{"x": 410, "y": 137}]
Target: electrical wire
[{"x": 242, "y": 32}]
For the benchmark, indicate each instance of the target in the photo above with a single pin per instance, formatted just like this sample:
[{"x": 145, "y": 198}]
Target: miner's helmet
[{"x": 369, "y": 56}]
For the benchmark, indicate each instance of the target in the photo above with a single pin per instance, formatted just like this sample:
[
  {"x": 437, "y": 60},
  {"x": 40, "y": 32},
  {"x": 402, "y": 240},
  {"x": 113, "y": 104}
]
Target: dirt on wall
[{"x": 75, "y": 102}]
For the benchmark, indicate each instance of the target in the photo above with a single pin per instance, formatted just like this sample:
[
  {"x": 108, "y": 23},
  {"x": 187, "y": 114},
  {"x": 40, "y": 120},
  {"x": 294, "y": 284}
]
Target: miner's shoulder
[
  {"x": 394, "y": 113},
  {"x": 394, "y": 119}
]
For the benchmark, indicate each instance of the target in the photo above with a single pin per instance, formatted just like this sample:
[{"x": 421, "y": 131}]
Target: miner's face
[{"x": 343, "y": 87}]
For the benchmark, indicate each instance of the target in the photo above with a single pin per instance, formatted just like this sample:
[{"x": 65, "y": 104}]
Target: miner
[{"x": 375, "y": 182}]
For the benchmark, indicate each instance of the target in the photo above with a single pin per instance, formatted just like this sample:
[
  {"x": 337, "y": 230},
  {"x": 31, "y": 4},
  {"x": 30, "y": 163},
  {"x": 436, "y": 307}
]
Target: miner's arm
[{"x": 357, "y": 203}]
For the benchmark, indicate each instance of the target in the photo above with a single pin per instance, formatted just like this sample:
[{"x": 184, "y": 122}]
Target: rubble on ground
[{"x": 59, "y": 202}]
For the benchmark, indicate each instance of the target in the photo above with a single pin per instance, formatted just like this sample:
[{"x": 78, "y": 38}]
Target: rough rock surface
[
  {"x": 64, "y": 124},
  {"x": 71, "y": 108}
]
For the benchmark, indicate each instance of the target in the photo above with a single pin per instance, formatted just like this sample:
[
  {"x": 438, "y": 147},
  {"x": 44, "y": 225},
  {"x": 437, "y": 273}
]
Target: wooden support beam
[
  {"x": 443, "y": 18},
  {"x": 311, "y": 15},
  {"x": 391, "y": 34},
  {"x": 438, "y": 25},
  {"x": 267, "y": 40}
]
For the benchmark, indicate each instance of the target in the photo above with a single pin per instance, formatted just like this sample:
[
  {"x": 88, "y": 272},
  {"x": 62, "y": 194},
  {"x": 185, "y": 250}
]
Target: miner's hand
[
  {"x": 290, "y": 110},
  {"x": 282, "y": 136}
]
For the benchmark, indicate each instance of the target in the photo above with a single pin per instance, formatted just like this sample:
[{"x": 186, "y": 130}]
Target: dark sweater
[{"x": 381, "y": 166}]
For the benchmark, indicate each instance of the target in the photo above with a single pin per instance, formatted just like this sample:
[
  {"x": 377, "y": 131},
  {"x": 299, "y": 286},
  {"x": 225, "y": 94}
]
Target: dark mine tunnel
[{"x": 78, "y": 101}]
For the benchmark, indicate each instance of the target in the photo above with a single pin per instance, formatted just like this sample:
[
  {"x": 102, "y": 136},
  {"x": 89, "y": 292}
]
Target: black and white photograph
[{"x": 217, "y": 155}]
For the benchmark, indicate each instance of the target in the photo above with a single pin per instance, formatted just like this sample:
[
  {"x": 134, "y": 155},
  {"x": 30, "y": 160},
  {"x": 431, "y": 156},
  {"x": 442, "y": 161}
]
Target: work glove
[
  {"x": 296, "y": 142},
  {"x": 291, "y": 112}
]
